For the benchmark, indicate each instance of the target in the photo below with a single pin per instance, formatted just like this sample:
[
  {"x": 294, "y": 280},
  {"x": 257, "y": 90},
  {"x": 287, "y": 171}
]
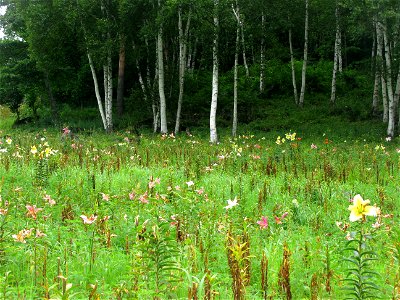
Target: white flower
[
  {"x": 190, "y": 183},
  {"x": 231, "y": 203}
]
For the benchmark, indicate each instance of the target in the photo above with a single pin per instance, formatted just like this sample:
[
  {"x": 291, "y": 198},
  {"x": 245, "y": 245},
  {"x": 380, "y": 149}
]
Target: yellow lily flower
[
  {"x": 34, "y": 150},
  {"x": 360, "y": 209}
]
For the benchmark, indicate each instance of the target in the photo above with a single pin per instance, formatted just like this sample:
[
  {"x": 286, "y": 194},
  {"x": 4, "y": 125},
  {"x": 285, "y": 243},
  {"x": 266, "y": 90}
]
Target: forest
[{"x": 168, "y": 65}]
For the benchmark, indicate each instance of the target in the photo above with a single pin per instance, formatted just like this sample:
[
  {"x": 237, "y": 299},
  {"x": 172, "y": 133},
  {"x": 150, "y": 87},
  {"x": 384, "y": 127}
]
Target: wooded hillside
[{"x": 173, "y": 64}]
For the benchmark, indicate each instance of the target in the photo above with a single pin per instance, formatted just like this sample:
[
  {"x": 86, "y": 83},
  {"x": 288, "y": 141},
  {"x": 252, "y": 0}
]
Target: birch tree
[
  {"x": 375, "y": 69},
  {"x": 337, "y": 54},
  {"x": 304, "y": 69},
  {"x": 106, "y": 108},
  {"x": 160, "y": 65},
  {"x": 262, "y": 53},
  {"x": 235, "y": 71},
  {"x": 380, "y": 69},
  {"x": 214, "y": 94},
  {"x": 121, "y": 76},
  {"x": 295, "y": 93},
  {"x": 239, "y": 20},
  {"x": 388, "y": 75},
  {"x": 183, "y": 40}
]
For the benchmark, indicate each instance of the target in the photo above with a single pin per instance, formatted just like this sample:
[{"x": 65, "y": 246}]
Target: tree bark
[
  {"x": 262, "y": 56},
  {"x": 388, "y": 75},
  {"x": 381, "y": 66},
  {"x": 121, "y": 78},
  {"x": 241, "y": 28},
  {"x": 303, "y": 72},
  {"x": 235, "y": 77},
  {"x": 107, "y": 73},
  {"x": 108, "y": 92},
  {"x": 214, "y": 95},
  {"x": 161, "y": 89},
  {"x": 336, "y": 55},
  {"x": 183, "y": 37},
  {"x": 97, "y": 91},
  {"x": 397, "y": 94},
  {"x": 295, "y": 93},
  {"x": 375, "y": 70}
]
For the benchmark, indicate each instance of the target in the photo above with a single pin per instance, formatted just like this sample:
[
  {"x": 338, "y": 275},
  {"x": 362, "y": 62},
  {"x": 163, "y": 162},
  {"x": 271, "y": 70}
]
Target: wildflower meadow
[{"x": 265, "y": 216}]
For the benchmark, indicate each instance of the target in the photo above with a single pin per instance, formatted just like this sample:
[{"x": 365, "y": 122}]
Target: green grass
[{"x": 178, "y": 240}]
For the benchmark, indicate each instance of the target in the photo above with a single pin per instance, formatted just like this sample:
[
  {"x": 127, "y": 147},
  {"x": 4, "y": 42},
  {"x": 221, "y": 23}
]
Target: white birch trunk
[
  {"x": 246, "y": 67},
  {"x": 235, "y": 83},
  {"x": 183, "y": 37},
  {"x": 161, "y": 89},
  {"x": 304, "y": 69},
  {"x": 381, "y": 66},
  {"x": 241, "y": 26},
  {"x": 340, "y": 58},
  {"x": 375, "y": 70},
  {"x": 375, "y": 96},
  {"x": 295, "y": 93},
  {"x": 214, "y": 95},
  {"x": 108, "y": 93},
  {"x": 262, "y": 56},
  {"x": 388, "y": 75},
  {"x": 397, "y": 93},
  {"x": 141, "y": 81},
  {"x": 97, "y": 91},
  {"x": 385, "y": 117},
  {"x": 336, "y": 56}
]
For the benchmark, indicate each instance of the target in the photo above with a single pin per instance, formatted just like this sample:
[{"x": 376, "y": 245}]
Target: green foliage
[
  {"x": 161, "y": 215},
  {"x": 361, "y": 279},
  {"x": 159, "y": 248}
]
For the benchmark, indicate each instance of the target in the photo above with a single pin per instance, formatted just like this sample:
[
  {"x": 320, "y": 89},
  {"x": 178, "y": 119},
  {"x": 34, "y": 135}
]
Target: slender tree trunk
[
  {"x": 236, "y": 12},
  {"x": 303, "y": 72},
  {"x": 375, "y": 97},
  {"x": 381, "y": 66},
  {"x": 336, "y": 56},
  {"x": 214, "y": 95},
  {"x": 183, "y": 37},
  {"x": 340, "y": 58},
  {"x": 108, "y": 91},
  {"x": 375, "y": 71},
  {"x": 97, "y": 91},
  {"x": 141, "y": 81},
  {"x": 161, "y": 89},
  {"x": 388, "y": 75},
  {"x": 152, "y": 87},
  {"x": 121, "y": 77},
  {"x": 262, "y": 56},
  {"x": 107, "y": 73},
  {"x": 295, "y": 93},
  {"x": 194, "y": 55},
  {"x": 235, "y": 82},
  {"x": 397, "y": 94},
  {"x": 246, "y": 67}
]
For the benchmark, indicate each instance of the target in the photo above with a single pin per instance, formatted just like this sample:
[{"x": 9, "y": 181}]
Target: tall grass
[{"x": 159, "y": 224}]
